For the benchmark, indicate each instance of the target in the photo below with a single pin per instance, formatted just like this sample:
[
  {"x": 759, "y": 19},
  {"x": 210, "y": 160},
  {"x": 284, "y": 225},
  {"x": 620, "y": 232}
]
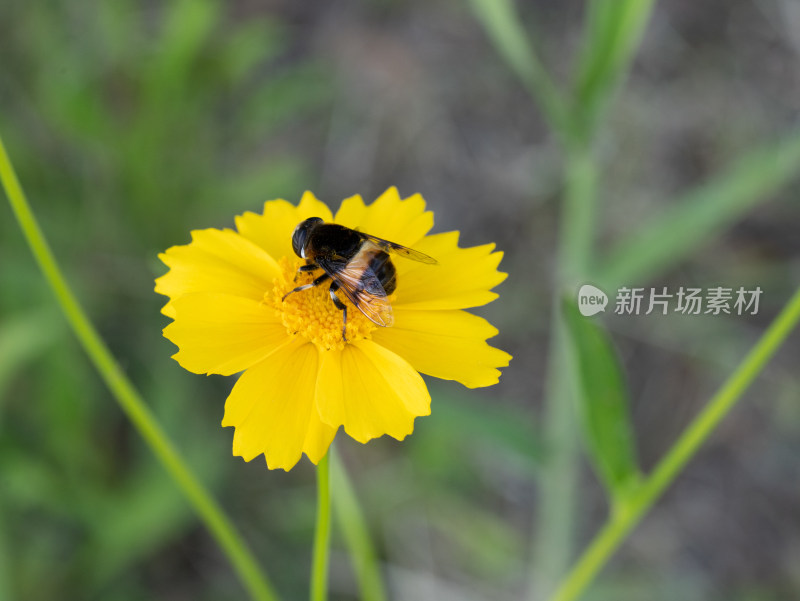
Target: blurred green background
[{"x": 132, "y": 123}]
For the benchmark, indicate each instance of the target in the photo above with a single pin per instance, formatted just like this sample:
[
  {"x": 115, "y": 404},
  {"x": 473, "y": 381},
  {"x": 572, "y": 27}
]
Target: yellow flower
[{"x": 301, "y": 380}]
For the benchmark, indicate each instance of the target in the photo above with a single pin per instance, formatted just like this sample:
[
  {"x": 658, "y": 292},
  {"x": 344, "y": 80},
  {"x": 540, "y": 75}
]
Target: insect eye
[{"x": 301, "y": 233}]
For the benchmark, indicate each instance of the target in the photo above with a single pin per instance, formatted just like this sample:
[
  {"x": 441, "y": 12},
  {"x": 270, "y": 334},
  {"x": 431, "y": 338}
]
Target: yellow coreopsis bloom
[{"x": 301, "y": 379}]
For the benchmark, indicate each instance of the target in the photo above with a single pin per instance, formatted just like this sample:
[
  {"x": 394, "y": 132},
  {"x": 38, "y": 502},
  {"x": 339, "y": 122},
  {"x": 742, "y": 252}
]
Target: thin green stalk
[
  {"x": 557, "y": 506},
  {"x": 5, "y": 556},
  {"x": 322, "y": 533},
  {"x": 578, "y": 218},
  {"x": 503, "y": 27},
  {"x": 356, "y": 533},
  {"x": 554, "y": 520},
  {"x": 129, "y": 399},
  {"x": 636, "y": 506}
]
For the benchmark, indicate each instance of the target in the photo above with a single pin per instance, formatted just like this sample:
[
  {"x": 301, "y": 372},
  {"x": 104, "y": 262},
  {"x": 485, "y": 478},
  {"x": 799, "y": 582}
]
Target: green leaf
[
  {"x": 612, "y": 34},
  {"x": 603, "y": 402},
  {"x": 689, "y": 223}
]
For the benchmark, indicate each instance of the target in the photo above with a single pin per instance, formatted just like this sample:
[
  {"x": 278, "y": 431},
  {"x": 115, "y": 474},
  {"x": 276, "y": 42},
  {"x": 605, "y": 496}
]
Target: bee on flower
[{"x": 331, "y": 319}]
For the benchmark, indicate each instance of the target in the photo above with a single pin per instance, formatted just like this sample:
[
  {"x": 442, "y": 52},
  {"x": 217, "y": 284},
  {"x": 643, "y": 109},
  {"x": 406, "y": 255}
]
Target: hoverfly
[{"x": 358, "y": 264}]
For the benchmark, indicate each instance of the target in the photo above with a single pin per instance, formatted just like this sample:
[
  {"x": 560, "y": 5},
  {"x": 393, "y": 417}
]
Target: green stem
[
  {"x": 322, "y": 533},
  {"x": 128, "y": 398},
  {"x": 555, "y": 519},
  {"x": 554, "y": 524},
  {"x": 642, "y": 499},
  {"x": 356, "y": 533},
  {"x": 577, "y": 221}
]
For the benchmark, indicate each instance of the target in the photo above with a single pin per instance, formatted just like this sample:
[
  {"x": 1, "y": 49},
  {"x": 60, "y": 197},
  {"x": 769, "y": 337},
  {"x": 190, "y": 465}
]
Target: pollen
[{"x": 311, "y": 313}]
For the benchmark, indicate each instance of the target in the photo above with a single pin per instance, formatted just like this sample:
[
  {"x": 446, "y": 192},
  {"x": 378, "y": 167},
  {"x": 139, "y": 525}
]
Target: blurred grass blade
[
  {"x": 140, "y": 415},
  {"x": 503, "y": 27},
  {"x": 603, "y": 402},
  {"x": 356, "y": 533},
  {"x": 612, "y": 33},
  {"x": 23, "y": 337},
  {"x": 691, "y": 222}
]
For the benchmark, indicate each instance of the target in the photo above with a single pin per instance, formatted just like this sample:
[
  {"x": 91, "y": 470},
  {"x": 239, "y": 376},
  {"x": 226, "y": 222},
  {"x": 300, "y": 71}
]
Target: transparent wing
[
  {"x": 360, "y": 284},
  {"x": 399, "y": 249}
]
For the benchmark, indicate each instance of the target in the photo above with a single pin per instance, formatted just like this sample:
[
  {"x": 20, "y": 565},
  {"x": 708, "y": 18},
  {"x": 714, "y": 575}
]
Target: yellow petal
[
  {"x": 463, "y": 277},
  {"x": 272, "y": 231},
  {"x": 272, "y": 408},
  {"x": 351, "y": 212},
  {"x": 216, "y": 261},
  {"x": 389, "y": 217},
  {"x": 445, "y": 344},
  {"x": 222, "y": 333},
  {"x": 370, "y": 391}
]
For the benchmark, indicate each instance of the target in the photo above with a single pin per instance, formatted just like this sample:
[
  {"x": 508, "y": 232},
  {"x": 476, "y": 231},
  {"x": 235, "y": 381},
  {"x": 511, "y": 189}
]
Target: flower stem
[
  {"x": 354, "y": 528},
  {"x": 128, "y": 397},
  {"x": 642, "y": 499},
  {"x": 322, "y": 533}
]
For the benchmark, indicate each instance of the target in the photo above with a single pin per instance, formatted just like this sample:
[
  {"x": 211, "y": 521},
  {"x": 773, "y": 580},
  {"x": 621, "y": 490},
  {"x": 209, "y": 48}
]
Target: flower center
[{"x": 311, "y": 313}]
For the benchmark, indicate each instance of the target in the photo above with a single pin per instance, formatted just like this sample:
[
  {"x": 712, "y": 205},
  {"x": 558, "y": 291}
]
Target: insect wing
[
  {"x": 399, "y": 249},
  {"x": 360, "y": 284}
]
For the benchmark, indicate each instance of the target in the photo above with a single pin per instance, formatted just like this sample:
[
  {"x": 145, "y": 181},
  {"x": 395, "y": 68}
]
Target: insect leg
[
  {"x": 305, "y": 268},
  {"x": 316, "y": 282},
  {"x": 341, "y": 306}
]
